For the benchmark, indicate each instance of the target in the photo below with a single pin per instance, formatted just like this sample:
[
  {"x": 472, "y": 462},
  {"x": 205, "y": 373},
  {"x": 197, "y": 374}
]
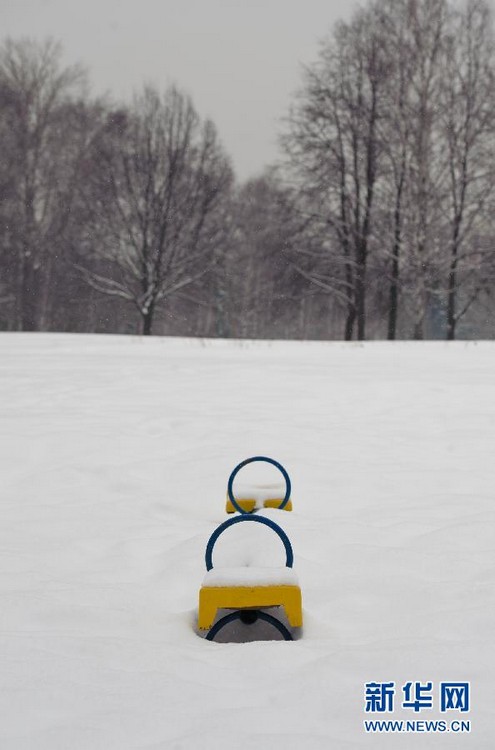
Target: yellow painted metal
[
  {"x": 212, "y": 598},
  {"x": 276, "y": 503},
  {"x": 249, "y": 505},
  {"x": 246, "y": 505}
]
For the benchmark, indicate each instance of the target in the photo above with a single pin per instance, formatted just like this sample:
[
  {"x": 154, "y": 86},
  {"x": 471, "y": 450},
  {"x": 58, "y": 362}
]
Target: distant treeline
[{"x": 377, "y": 222}]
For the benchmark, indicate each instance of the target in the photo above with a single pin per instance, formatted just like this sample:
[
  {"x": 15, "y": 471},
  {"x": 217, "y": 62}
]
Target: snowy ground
[{"x": 114, "y": 459}]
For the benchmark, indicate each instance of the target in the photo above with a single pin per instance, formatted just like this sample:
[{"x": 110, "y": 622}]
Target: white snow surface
[{"x": 114, "y": 458}]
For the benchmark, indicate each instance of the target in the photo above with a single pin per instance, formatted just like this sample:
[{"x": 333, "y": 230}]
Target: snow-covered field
[{"x": 114, "y": 458}]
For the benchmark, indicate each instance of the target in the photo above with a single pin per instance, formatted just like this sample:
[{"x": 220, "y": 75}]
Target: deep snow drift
[{"x": 114, "y": 458}]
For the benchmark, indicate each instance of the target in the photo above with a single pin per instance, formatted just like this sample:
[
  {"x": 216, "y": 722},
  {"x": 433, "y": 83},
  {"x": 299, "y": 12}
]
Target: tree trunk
[
  {"x": 393, "y": 308},
  {"x": 418, "y": 331},
  {"x": 147, "y": 321},
  {"x": 451, "y": 300},
  {"x": 349, "y": 277},
  {"x": 361, "y": 291},
  {"x": 362, "y": 245},
  {"x": 393, "y": 296},
  {"x": 30, "y": 295},
  {"x": 349, "y": 322},
  {"x": 420, "y": 312},
  {"x": 454, "y": 258},
  {"x": 46, "y": 294}
]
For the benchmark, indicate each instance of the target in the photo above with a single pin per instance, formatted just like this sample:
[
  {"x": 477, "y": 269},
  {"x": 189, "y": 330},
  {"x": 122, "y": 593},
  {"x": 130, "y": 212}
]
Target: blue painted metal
[
  {"x": 257, "y": 519},
  {"x": 259, "y": 615},
  {"x": 250, "y": 461}
]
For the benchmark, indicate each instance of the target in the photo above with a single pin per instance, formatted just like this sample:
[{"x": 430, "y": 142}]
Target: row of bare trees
[
  {"x": 129, "y": 200},
  {"x": 43, "y": 135},
  {"x": 391, "y": 143},
  {"x": 377, "y": 222}
]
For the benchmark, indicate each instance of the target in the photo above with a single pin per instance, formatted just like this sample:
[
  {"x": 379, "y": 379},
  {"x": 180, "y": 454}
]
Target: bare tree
[
  {"x": 391, "y": 145},
  {"x": 155, "y": 181},
  {"x": 264, "y": 289},
  {"x": 7, "y": 203},
  {"x": 44, "y": 149},
  {"x": 334, "y": 146},
  {"x": 468, "y": 126},
  {"x": 427, "y": 173},
  {"x": 395, "y": 135}
]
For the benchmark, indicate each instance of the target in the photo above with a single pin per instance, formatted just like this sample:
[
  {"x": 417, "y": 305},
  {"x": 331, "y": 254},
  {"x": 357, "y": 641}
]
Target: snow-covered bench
[
  {"x": 240, "y": 588},
  {"x": 250, "y": 497},
  {"x": 255, "y": 496}
]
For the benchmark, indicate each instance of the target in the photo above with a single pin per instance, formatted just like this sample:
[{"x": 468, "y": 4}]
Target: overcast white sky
[{"x": 239, "y": 59}]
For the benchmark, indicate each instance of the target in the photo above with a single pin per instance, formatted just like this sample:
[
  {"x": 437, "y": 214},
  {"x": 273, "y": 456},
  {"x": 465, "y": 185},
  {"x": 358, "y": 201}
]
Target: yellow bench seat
[
  {"x": 249, "y": 588},
  {"x": 249, "y": 504}
]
